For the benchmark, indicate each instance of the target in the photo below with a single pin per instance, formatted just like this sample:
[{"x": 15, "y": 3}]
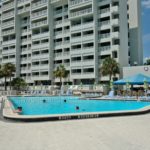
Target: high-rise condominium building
[{"x": 39, "y": 35}]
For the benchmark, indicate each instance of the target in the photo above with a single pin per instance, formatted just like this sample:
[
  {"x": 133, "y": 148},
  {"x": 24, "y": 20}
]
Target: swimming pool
[{"x": 72, "y": 105}]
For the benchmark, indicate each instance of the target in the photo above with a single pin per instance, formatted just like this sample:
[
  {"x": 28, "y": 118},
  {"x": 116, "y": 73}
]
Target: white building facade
[
  {"x": 131, "y": 71},
  {"x": 39, "y": 35}
]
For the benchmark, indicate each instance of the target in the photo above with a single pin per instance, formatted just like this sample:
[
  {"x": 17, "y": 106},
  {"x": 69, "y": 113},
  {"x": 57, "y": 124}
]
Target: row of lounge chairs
[
  {"x": 34, "y": 92},
  {"x": 125, "y": 97},
  {"x": 91, "y": 95}
]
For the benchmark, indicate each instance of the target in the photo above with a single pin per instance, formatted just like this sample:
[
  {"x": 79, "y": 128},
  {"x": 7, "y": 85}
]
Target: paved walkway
[{"x": 116, "y": 133}]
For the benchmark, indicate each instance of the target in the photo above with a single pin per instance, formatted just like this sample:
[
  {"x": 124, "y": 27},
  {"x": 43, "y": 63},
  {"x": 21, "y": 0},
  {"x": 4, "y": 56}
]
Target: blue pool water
[{"x": 56, "y": 105}]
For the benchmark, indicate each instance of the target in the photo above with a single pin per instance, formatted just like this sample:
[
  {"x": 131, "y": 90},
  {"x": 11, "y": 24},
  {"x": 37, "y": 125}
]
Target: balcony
[
  {"x": 35, "y": 67},
  {"x": 83, "y": 75},
  {"x": 76, "y": 63},
  {"x": 66, "y": 32},
  {"x": 76, "y": 51},
  {"x": 76, "y": 39},
  {"x": 58, "y": 45},
  {"x": 8, "y": 24},
  {"x": 104, "y": 12},
  {"x": 115, "y": 47},
  {"x": 79, "y": 2},
  {"x": 25, "y": 31},
  {"x": 104, "y": 37},
  {"x": 58, "y": 55},
  {"x": 8, "y": 6},
  {"x": 58, "y": 12},
  {"x": 39, "y": 14},
  {"x": 54, "y": 1},
  {"x": 58, "y": 34},
  {"x": 58, "y": 22},
  {"x": 10, "y": 60},
  {"x": 26, "y": 41},
  {"x": 104, "y": 24},
  {"x": 103, "y": 2},
  {"x": 39, "y": 4},
  {"x": 25, "y": 69},
  {"x": 25, "y": 60},
  {"x": 40, "y": 56},
  {"x": 40, "y": 66},
  {"x": 66, "y": 22},
  {"x": 88, "y": 62},
  {"x": 115, "y": 9},
  {"x": 40, "y": 35},
  {"x": 9, "y": 42},
  {"x": 40, "y": 45},
  {"x": 9, "y": 51},
  {"x": 104, "y": 50},
  {"x": 115, "y": 22},
  {"x": 8, "y": 32},
  {"x": 115, "y": 35},
  {"x": 82, "y": 26},
  {"x": 24, "y": 10},
  {"x": 80, "y": 13},
  {"x": 25, "y": 50},
  {"x": 23, "y": 2},
  {"x": 37, "y": 24},
  {"x": 66, "y": 43},
  {"x": 66, "y": 65},
  {"x": 7, "y": 15},
  {"x": 89, "y": 37}
]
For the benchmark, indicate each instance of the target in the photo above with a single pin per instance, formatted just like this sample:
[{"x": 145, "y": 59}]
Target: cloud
[{"x": 146, "y": 4}]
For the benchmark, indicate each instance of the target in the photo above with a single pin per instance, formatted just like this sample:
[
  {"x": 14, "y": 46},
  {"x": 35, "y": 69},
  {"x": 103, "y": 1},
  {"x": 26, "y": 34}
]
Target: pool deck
[{"x": 115, "y": 133}]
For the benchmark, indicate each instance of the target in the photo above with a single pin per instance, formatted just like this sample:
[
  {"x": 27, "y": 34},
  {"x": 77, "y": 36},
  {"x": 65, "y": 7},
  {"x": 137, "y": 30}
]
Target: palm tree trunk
[
  {"x": 5, "y": 84},
  {"x": 60, "y": 81},
  {"x": 10, "y": 83},
  {"x": 110, "y": 77}
]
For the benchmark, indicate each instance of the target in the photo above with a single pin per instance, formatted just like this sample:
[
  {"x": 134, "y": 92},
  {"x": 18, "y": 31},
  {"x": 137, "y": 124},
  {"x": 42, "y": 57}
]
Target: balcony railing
[
  {"x": 107, "y": 22},
  {"x": 40, "y": 13},
  {"x": 106, "y": 10},
  {"x": 23, "y": 1},
  {"x": 8, "y": 23},
  {"x": 6, "y": 15},
  {"x": 8, "y": 6},
  {"x": 24, "y": 10},
  {"x": 76, "y": 2},
  {"x": 42, "y": 2},
  {"x": 104, "y": 48},
  {"x": 39, "y": 23},
  {"x": 8, "y": 32},
  {"x": 106, "y": 35},
  {"x": 81, "y": 12}
]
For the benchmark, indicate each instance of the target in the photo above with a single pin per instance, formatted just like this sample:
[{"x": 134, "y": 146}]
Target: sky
[{"x": 146, "y": 27}]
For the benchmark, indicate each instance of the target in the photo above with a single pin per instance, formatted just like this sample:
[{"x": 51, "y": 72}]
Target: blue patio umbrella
[{"x": 137, "y": 79}]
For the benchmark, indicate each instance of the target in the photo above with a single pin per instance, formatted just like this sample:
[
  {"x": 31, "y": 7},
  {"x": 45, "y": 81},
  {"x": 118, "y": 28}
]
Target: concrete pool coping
[{"x": 8, "y": 113}]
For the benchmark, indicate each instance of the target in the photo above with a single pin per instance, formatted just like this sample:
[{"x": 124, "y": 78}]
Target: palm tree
[
  {"x": 19, "y": 83},
  {"x": 60, "y": 73},
  {"x": 110, "y": 67},
  {"x": 8, "y": 70},
  {"x": 147, "y": 62}
]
